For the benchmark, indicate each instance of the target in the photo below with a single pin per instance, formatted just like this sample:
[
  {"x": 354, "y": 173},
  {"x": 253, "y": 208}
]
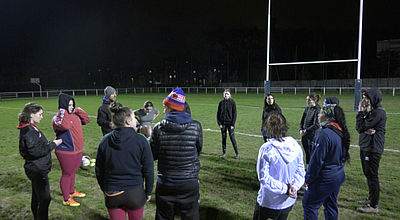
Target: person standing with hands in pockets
[{"x": 226, "y": 118}]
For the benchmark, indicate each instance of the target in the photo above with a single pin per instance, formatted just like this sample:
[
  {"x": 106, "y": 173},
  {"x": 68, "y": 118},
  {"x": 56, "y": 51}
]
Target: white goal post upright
[{"x": 358, "y": 81}]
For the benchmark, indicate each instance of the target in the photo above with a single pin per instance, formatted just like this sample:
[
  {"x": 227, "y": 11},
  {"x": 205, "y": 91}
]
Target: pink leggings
[
  {"x": 69, "y": 165},
  {"x": 118, "y": 214}
]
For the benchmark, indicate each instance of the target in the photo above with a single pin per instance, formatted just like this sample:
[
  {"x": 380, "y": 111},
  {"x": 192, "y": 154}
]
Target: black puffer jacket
[
  {"x": 176, "y": 142},
  {"x": 268, "y": 111},
  {"x": 309, "y": 121},
  {"x": 35, "y": 149},
  {"x": 226, "y": 114},
  {"x": 104, "y": 116},
  {"x": 375, "y": 119}
]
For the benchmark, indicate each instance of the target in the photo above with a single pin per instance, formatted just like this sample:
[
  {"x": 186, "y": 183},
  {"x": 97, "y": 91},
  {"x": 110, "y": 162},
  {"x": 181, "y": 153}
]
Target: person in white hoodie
[{"x": 280, "y": 170}]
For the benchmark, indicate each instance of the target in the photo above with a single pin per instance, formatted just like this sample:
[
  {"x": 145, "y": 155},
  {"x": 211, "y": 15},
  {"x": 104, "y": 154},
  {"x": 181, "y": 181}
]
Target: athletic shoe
[
  {"x": 222, "y": 155},
  {"x": 71, "y": 202},
  {"x": 364, "y": 201},
  {"x": 237, "y": 156},
  {"x": 77, "y": 194},
  {"x": 368, "y": 209}
]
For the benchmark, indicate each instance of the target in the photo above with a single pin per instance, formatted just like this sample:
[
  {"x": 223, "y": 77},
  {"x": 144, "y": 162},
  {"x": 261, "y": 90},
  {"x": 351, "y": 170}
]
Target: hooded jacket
[
  {"x": 328, "y": 155},
  {"x": 124, "y": 161},
  {"x": 375, "y": 119},
  {"x": 104, "y": 116},
  {"x": 279, "y": 163},
  {"x": 34, "y": 148},
  {"x": 226, "y": 114},
  {"x": 68, "y": 126},
  {"x": 176, "y": 142},
  {"x": 268, "y": 111}
]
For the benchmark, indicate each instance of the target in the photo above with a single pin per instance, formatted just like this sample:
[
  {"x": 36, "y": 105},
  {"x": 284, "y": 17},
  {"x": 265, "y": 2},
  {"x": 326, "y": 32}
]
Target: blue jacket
[
  {"x": 327, "y": 158},
  {"x": 124, "y": 161},
  {"x": 279, "y": 163}
]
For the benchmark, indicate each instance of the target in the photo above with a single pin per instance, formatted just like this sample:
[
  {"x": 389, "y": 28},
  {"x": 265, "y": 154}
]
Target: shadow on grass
[
  {"x": 15, "y": 182},
  {"x": 212, "y": 213},
  {"x": 239, "y": 172}
]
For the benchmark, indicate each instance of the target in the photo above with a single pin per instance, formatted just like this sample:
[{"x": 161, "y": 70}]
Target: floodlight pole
[
  {"x": 267, "y": 82},
  {"x": 358, "y": 81}
]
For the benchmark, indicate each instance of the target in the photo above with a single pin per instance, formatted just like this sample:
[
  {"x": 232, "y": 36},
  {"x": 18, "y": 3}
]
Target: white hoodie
[{"x": 279, "y": 163}]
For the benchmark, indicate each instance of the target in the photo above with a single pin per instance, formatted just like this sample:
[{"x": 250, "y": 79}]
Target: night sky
[{"x": 64, "y": 41}]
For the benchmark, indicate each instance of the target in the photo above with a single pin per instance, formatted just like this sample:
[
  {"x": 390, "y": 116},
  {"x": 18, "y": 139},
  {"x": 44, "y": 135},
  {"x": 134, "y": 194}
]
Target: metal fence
[{"x": 202, "y": 90}]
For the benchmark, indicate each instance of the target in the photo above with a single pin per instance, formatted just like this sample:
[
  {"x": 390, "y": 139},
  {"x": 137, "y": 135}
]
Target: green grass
[{"x": 228, "y": 187}]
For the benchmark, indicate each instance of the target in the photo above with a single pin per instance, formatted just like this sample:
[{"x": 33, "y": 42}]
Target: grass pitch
[{"x": 228, "y": 187}]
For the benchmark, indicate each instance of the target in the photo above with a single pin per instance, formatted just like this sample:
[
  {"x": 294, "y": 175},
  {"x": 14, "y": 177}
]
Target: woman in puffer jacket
[{"x": 67, "y": 124}]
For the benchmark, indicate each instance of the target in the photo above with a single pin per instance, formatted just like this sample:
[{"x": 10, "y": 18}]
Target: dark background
[{"x": 93, "y": 43}]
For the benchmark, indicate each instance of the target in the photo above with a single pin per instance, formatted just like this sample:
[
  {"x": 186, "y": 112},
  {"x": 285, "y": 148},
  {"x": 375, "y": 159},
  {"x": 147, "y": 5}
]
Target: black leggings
[
  {"x": 132, "y": 199},
  {"x": 231, "y": 136},
  {"x": 261, "y": 213},
  {"x": 40, "y": 194}
]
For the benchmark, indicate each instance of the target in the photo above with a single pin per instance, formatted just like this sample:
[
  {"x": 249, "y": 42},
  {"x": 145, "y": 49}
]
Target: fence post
[
  {"x": 309, "y": 90},
  {"x": 85, "y": 92},
  {"x": 215, "y": 90},
  {"x": 281, "y": 90},
  {"x": 33, "y": 95},
  {"x": 246, "y": 90},
  {"x": 324, "y": 90},
  {"x": 257, "y": 90},
  {"x": 47, "y": 94},
  {"x": 295, "y": 90},
  {"x": 340, "y": 90},
  {"x": 206, "y": 90},
  {"x": 394, "y": 91},
  {"x": 97, "y": 93},
  {"x": 235, "y": 90},
  {"x": 197, "y": 90}
]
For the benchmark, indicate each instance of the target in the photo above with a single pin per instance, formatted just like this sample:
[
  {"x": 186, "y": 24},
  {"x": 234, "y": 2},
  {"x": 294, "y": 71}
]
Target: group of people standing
[
  {"x": 125, "y": 157},
  {"x": 326, "y": 141}
]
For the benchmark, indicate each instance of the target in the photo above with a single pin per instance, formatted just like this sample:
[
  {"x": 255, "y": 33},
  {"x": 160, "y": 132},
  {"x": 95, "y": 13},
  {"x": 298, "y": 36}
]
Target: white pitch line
[{"x": 298, "y": 140}]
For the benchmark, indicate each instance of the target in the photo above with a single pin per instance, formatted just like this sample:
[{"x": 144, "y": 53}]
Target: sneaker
[
  {"x": 77, "y": 194},
  {"x": 364, "y": 201},
  {"x": 222, "y": 155},
  {"x": 237, "y": 156},
  {"x": 71, "y": 202},
  {"x": 368, "y": 209}
]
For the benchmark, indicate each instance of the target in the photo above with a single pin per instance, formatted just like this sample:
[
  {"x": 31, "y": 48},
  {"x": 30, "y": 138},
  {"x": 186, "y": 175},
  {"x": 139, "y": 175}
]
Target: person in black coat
[
  {"x": 124, "y": 162},
  {"x": 226, "y": 119},
  {"x": 309, "y": 124},
  {"x": 371, "y": 125},
  {"x": 176, "y": 142},
  {"x": 270, "y": 107},
  {"x": 103, "y": 113},
  {"x": 36, "y": 150}
]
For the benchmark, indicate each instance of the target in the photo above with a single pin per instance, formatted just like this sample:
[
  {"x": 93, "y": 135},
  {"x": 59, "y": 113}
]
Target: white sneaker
[{"x": 368, "y": 209}]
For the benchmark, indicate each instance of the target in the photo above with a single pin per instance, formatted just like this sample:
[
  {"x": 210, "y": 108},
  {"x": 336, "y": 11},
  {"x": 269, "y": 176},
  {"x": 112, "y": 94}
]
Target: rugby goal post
[{"x": 357, "y": 82}]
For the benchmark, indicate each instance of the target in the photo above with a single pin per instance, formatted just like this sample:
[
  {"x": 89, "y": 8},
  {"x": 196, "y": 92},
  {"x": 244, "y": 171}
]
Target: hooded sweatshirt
[
  {"x": 68, "y": 126},
  {"x": 279, "y": 163},
  {"x": 124, "y": 161},
  {"x": 375, "y": 119}
]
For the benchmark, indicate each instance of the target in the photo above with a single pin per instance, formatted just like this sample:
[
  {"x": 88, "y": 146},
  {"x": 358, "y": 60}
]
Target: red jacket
[{"x": 68, "y": 127}]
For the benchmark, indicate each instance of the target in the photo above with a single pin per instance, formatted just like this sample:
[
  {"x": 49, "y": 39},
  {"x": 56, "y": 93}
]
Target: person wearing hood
[
  {"x": 371, "y": 125},
  {"x": 330, "y": 151},
  {"x": 67, "y": 124},
  {"x": 176, "y": 142},
  {"x": 280, "y": 170},
  {"x": 309, "y": 124},
  {"x": 36, "y": 150},
  {"x": 270, "y": 107},
  {"x": 123, "y": 163},
  {"x": 103, "y": 113},
  {"x": 226, "y": 119}
]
